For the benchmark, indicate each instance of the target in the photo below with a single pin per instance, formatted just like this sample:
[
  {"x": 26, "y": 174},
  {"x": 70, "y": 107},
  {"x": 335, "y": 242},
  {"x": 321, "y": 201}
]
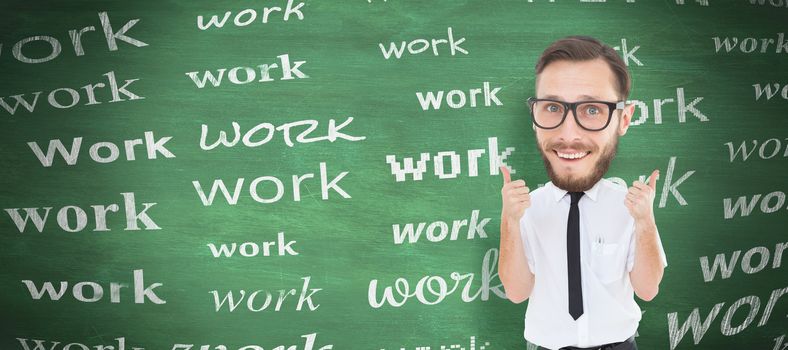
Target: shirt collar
[{"x": 591, "y": 193}]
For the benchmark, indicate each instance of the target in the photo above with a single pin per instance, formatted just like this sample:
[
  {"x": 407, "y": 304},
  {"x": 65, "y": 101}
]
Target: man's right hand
[
  {"x": 516, "y": 197},
  {"x": 513, "y": 270}
]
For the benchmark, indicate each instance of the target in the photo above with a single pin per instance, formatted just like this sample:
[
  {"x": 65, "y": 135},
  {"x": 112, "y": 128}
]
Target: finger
[
  {"x": 639, "y": 187},
  {"x": 518, "y": 195},
  {"x": 506, "y": 177},
  {"x": 653, "y": 180},
  {"x": 517, "y": 183},
  {"x": 520, "y": 190},
  {"x": 519, "y": 200}
]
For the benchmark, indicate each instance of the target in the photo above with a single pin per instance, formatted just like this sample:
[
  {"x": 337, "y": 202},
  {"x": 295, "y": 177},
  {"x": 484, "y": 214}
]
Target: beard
[{"x": 570, "y": 182}]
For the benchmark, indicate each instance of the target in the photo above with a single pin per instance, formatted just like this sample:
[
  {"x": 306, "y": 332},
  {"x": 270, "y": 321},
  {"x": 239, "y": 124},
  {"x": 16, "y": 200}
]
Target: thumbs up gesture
[
  {"x": 640, "y": 199},
  {"x": 515, "y": 195}
]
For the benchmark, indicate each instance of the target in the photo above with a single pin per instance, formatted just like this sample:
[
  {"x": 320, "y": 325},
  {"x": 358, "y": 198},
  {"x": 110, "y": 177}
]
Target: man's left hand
[{"x": 640, "y": 199}]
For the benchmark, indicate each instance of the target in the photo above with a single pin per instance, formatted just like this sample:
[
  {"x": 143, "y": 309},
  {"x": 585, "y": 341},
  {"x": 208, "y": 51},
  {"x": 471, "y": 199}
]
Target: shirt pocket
[{"x": 607, "y": 263}]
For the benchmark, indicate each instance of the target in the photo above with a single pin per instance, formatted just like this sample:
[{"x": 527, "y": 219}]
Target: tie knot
[{"x": 576, "y": 196}]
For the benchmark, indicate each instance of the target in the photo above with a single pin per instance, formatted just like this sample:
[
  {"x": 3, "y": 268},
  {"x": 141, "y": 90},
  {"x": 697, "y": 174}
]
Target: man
[{"x": 586, "y": 244}]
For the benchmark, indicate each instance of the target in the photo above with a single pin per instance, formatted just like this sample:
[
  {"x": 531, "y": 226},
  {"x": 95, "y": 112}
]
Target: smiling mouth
[{"x": 573, "y": 156}]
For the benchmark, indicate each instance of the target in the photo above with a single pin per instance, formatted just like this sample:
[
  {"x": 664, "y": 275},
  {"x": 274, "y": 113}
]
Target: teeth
[{"x": 572, "y": 155}]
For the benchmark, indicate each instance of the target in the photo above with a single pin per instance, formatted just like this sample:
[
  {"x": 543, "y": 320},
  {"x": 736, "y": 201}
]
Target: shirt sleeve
[
  {"x": 525, "y": 231},
  {"x": 632, "y": 250}
]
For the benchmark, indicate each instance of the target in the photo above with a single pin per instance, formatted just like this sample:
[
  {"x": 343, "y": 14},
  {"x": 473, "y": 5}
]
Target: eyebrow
[{"x": 582, "y": 97}]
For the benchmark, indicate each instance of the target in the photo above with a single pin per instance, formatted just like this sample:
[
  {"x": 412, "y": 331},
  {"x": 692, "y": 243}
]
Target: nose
[{"x": 569, "y": 129}]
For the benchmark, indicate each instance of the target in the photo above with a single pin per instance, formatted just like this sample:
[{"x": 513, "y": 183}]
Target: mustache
[{"x": 572, "y": 145}]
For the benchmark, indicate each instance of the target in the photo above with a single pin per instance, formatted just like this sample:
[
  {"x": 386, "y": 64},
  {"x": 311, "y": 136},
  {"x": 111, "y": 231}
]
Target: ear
[{"x": 626, "y": 117}]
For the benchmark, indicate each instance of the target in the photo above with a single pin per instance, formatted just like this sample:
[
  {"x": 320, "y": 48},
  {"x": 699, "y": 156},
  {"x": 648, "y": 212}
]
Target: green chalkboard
[{"x": 119, "y": 194}]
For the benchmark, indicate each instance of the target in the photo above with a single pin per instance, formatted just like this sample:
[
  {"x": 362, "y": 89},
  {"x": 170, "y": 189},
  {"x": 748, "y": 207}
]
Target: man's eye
[
  {"x": 593, "y": 110},
  {"x": 553, "y": 108}
]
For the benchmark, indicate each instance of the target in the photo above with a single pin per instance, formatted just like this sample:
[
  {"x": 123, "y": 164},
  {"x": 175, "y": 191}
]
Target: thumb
[
  {"x": 506, "y": 177},
  {"x": 653, "y": 180}
]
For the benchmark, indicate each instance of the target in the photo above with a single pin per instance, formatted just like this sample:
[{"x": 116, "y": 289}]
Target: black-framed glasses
[{"x": 590, "y": 115}]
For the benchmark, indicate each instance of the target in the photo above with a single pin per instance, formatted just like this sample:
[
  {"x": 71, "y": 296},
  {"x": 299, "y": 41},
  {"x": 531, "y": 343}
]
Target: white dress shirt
[{"x": 607, "y": 254}]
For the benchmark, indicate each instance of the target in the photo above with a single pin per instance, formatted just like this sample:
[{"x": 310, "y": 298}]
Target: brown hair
[{"x": 583, "y": 48}]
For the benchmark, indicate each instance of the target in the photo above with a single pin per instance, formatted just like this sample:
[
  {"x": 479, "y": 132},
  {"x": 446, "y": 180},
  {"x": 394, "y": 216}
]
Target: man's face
[{"x": 579, "y": 81}]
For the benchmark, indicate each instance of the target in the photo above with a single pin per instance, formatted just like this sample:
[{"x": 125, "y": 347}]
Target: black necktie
[{"x": 573, "y": 257}]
